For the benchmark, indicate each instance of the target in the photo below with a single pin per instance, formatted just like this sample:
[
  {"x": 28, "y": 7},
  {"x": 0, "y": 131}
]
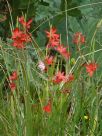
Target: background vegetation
[{"x": 75, "y": 113}]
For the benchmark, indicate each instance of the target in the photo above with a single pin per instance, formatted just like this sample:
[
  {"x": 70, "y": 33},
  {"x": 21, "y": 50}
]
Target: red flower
[
  {"x": 18, "y": 43},
  {"x": 78, "y": 38},
  {"x": 19, "y": 35},
  {"x": 49, "y": 60},
  {"x": 59, "y": 77},
  {"x": 16, "y": 33},
  {"x": 24, "y": 23},
  {"x": 25, "y": 37},
  {"x": 52, "y": 34},
  {"x": 47, "y": 108},
  {"x": 13, "y": 76},
  {"x": 12, "y": 86},
  {"x": 20, "y": 38},
  {"x": 69, "y": 78},
  {"x": 91, "y": 68},
  {"x": 63, "y": 51},
  {"x": 53, "y": 38},
  {"x": 52, "y": 43},
  {"x": 21, "y": 20}
]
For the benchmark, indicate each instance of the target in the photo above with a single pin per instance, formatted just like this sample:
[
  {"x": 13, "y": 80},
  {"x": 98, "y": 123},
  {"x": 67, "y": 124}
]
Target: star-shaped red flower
[
  {"x": 24, "y": 23},
  {"x": 59, "y": 77},
  {"x": 63, "y": 51},
  {"x": 91, "y": 68},
  {"x": 49, "y": 60}
]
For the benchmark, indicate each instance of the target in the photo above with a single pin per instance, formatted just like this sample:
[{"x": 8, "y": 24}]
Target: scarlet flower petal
[
  {"x": 24, "y": 23},
  {"x": 91, "y": 68},
  {"x": 49, "y": 60},
  {"x": 52, "y": 34},
  {"x": 69, "y": 78},
  {"x": 20, "y": 38},
  {"x": 21, "y": 20},
  {"x": 18, "y": 43},
  {"x": 29, "y": 23},
  {"x": 16, "y": 33},
  {"x": 53, "y": 38},
  {"x": 12, "y": 86},
  {"x": 59, "y": 77},
  {"x": 13, "y": 76},
  {"x": 47, "y": 108},
  {"x": 63, "y": 51},
  {"x": 53, "y": 43}
]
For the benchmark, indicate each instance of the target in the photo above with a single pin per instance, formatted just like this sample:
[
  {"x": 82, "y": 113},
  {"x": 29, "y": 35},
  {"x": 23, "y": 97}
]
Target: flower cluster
[
  {"x": 59, "y": 77},
  {"x": 21, "y": 37},
  {"x": 54, "y": 42},
  {"x": 12, "y": 78},
  {"x": 53, "y": 38}
]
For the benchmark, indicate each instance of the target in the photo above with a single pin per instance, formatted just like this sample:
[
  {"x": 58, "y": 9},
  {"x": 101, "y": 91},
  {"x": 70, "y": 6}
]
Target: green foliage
[
  {"x": 76, "y": 106},
  {"x": 68, "y": 4}
]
